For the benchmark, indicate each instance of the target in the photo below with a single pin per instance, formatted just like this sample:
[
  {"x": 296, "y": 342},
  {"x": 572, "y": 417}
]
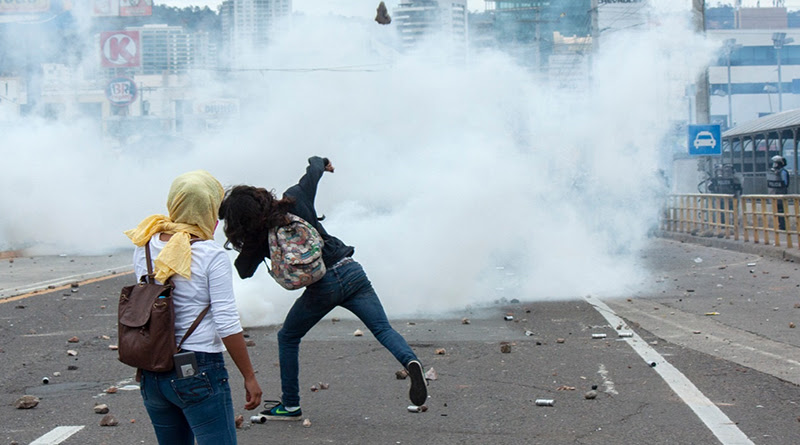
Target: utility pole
[
  {"x": 594, "y": 12},
  {"x": 702, "y": 113}
]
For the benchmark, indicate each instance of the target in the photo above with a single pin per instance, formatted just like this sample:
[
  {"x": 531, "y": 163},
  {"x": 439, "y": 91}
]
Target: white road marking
[
  {"x": 57, "y": 435},
  {"x": 123, "y": 385},
  {"x": 720, "y": 425}
]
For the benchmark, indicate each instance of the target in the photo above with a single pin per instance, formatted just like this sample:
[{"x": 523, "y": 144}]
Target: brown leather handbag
[{"x": 146, "y": 323}]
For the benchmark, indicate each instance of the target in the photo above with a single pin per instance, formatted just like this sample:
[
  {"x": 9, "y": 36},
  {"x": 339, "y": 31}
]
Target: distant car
[{"x": 704, "y": 139}]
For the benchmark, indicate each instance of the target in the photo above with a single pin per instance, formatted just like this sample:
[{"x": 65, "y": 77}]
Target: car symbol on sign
[{"x": 704, "y": 139}]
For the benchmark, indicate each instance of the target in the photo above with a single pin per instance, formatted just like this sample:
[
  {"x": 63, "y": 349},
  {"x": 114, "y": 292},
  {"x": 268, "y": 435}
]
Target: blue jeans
[
  {"x": 346, "y": 286},
  {"x": 194, "y": 407}
]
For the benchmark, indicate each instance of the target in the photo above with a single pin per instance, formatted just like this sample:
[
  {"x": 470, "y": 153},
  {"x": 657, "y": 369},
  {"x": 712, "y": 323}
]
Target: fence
[{"x": 768, "y": 219}]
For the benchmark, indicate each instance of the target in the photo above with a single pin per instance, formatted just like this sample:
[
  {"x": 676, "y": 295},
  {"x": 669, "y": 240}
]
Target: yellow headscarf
[{"x": 193, "y": 204}]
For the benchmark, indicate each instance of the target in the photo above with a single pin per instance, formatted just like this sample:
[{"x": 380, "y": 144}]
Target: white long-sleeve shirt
[{"x": 212, "y": 282}]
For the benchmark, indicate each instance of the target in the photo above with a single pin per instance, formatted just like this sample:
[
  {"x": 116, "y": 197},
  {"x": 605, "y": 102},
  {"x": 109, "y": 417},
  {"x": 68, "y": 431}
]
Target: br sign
[
  {"x": 705, "y": 140},
  {"x": 120, "y": 49},
  {"x": 121, "y": 91}
]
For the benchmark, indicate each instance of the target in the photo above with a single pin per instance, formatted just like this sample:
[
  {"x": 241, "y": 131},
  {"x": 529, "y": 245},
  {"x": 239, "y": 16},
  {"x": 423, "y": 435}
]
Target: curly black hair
[{"x": 249, "y": 212}]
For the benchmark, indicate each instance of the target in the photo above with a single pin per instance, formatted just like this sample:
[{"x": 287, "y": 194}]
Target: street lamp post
[
  {"x": 769, "y": 89},
  {"x": 730, "y": 47},
  {"x": 779, "y": 39}
]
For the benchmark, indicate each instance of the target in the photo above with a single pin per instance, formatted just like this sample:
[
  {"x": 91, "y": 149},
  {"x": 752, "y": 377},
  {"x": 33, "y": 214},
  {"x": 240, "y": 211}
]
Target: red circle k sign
[{"x": 120, "y": 49}]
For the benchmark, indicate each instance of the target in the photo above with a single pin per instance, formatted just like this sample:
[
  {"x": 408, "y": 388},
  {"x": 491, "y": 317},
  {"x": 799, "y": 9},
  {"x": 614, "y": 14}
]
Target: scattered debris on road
[
  {"x": 26, "y": 402},
  {"x": 431, "y": 374},
  {"x": 109, "y": 420}
]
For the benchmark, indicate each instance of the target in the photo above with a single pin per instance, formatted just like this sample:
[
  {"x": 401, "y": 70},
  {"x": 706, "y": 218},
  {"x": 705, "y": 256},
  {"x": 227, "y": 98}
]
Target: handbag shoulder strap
[
  {"x": 150, "y": 274},
  {"x": 194, "y": 325}
]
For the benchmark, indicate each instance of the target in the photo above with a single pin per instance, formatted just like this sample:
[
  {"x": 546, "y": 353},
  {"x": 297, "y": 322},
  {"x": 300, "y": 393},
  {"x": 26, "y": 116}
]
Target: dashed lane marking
[
  {"x": 715, "y": 420},
  {"x": 57, "y": 435}
]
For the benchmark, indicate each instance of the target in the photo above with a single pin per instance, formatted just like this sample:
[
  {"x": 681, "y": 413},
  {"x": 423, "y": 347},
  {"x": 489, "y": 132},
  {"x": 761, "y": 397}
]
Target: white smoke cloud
[{"x": 457, "y": 185}]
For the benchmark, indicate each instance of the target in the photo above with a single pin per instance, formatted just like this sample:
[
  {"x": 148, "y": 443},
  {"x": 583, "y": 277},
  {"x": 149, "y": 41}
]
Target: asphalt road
[{"x": 729, "y": 377}]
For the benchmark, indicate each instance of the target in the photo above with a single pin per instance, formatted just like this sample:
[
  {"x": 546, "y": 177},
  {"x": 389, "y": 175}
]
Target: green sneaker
[{"x": 277, "y": 411}]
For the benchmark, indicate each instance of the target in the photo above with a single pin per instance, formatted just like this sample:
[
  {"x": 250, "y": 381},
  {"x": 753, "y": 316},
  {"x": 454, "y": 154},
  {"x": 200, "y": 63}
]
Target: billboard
[
  {"x": 26, "y": 6},
  {"x": 129, "y": 8},
  {"x": 120, "y": 49},
  {"x": 124, "y": 8},
  {"x": 105, "y": 8},
  {"x": 217, "y": 108}
]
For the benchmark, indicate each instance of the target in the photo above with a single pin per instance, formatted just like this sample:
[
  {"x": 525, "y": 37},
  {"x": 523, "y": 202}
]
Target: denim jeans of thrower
[
  {"x": 198, "y": 407},
  {"x": 346, "y": 286}
]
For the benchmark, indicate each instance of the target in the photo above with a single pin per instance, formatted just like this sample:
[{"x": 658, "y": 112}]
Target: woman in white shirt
[{"x": 197, "y": 407}]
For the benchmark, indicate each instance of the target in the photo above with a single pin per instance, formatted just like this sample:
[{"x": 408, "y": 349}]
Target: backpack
[
  {"x": 295, "y": 251},
  {"x": 146, "y": 323}
]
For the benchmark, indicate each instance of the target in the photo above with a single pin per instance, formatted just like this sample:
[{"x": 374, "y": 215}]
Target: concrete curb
[
  {"x": 779, "y": 252},
  {"x": 8, "y": 254}
]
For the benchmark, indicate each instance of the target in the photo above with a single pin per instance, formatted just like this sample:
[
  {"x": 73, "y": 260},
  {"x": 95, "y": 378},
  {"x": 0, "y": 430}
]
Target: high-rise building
[
  {"x": 248, "y": 26},
  {"x": 443, "y": 23},
  {"x": 171, "y": 50},
  {"x": 528, "y": 29}
]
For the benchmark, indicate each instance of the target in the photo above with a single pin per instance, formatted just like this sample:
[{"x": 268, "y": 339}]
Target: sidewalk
[{"x": 23, "y": 274}]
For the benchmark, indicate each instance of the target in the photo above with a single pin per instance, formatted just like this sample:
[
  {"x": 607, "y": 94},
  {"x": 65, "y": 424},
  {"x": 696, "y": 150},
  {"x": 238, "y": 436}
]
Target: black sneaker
[
  {"x": 419, "y": 391},
  {"x": 278, "y": 412}
]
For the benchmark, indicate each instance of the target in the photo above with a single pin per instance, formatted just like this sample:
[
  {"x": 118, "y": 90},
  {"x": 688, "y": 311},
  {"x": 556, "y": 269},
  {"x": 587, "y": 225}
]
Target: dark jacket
[{"x": 304, "y": 193}]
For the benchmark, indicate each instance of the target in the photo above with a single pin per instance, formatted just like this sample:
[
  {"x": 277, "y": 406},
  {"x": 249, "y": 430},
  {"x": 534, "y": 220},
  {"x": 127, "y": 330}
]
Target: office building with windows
[
  {"x": 442, "y": 24},
  {"x": 249, "y": 25},
  {"x": 528, "y": 29},
  {"x": 171, "y": 50},
  {"x": 755, "y": 89}
]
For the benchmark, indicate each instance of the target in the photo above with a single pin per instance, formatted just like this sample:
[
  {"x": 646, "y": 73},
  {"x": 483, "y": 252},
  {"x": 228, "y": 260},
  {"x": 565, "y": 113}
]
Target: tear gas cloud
[{"x": 458, "y": 185}]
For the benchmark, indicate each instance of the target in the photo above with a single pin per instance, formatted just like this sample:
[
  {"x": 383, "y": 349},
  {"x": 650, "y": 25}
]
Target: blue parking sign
[{"x": 705, "y": 140}]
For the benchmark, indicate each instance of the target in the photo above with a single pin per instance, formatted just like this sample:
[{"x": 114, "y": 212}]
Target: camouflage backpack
[{"x": 295, "y": 251}]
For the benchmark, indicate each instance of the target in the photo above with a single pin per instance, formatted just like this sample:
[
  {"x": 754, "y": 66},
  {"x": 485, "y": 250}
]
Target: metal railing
[
  {"x": 768, "y": 219},
  {"x": 773, "y": 217}
]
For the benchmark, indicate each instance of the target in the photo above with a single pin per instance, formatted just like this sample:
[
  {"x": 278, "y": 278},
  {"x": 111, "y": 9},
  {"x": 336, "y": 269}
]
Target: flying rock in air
[{"x": 383, "y": 15}]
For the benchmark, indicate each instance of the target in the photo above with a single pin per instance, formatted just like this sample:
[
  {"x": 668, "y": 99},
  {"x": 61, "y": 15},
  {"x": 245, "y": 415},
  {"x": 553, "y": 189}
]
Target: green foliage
[{"x": 192, "y": 18}]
